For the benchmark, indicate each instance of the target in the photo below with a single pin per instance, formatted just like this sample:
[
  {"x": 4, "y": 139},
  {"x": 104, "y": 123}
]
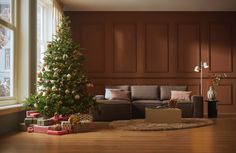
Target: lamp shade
[
  {"x": 205, "y": 65},
  {"x": 197, "y": 69}
]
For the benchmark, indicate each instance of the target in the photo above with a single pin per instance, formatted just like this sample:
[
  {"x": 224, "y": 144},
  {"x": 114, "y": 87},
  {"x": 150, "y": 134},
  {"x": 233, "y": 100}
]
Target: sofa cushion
[
  {"x": 147, "y": 102},
  {"x": 120, "y": 95},
  {"x": 165, "y": 91},
  {"x": 146, "y": 92},
  {"x": 113, "y": 102},
  {"x": 119, "y": 87}
]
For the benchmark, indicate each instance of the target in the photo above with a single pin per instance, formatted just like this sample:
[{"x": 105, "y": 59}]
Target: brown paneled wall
[{"x": 159, "y": 48}]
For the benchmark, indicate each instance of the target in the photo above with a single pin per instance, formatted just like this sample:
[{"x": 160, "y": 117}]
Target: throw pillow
[
  {"x": 108, "y": 92},
  {"x": 120, "y": 95},
  {"x": 180, "y": 95}
]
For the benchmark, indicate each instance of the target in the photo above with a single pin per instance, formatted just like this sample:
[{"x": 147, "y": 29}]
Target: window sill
[{"x": 10, "y": 109}]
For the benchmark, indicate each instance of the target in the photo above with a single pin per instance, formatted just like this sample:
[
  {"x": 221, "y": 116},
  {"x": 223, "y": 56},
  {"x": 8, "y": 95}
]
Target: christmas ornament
[
  {"x": 46, "y": 108},
  {"x": 65, "y": 57},
  {"x": 77, "y": 96},
  {"x": 74, "y": 119},
  {"x": 67, "y": 91},
  {"x": 68, "y": 77},
  {"x": 35, "y": 105},
  {"x": 54, "y": 88},
  {"x": 49, "y": 45}
]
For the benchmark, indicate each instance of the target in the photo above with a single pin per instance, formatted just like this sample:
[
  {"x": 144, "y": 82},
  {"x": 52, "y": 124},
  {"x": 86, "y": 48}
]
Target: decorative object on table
[
  {"x": 45, "y": 122},
  {"x": 199, "y": 68},
  {"x": 63, "y": 86},
  {"x": 214, "y": 82},
  {"x": 172, "y": 103},
  {"x": 142, "y": 125},
  {"x": 212, "y": 108},
  {"x": 29, "y": 120},
  {"x": 40, "y": 129},
  {"x": 211, "y": 93},
  {"x": 66, "y": 125}
]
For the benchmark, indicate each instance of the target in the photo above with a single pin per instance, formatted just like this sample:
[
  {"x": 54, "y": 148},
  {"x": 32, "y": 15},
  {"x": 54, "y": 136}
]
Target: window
[
  {"x": 7, "y": 30},
  {"x": 49, "y": 13}
]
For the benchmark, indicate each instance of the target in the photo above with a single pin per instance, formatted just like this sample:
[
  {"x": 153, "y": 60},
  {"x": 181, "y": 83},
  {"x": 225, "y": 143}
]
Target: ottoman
[{"x": 163, "y": 115}]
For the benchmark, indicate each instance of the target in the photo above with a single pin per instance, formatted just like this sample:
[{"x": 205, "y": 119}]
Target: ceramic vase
[{"x": 211, "y": 93}]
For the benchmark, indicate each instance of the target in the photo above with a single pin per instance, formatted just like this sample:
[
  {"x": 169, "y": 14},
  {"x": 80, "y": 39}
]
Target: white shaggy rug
[{"x": 142, "y": 125}]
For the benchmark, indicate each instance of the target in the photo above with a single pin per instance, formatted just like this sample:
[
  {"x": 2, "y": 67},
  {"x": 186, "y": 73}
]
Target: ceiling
[{"x": 149, "y": 5}]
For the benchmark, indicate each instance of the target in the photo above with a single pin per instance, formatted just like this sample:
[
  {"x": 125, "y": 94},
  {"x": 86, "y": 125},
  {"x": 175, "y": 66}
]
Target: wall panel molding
[
  {"x": 188, "y": 46},
  {"x": 157, "y": 48},
  {"x": 92, "y": 39},
  {"x": 221, "y": 47},
  {"x": 125, "y": 48}
]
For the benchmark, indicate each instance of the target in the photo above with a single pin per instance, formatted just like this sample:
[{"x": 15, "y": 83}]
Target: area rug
[{"x": 142, "y": 125}]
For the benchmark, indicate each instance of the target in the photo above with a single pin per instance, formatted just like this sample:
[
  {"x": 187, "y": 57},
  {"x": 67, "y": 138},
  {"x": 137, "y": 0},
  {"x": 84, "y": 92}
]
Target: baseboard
[{"x": 224, "y": 115}]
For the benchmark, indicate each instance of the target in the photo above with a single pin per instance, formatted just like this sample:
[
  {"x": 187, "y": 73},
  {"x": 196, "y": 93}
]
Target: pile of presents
[{"x": 57, "y": 125}]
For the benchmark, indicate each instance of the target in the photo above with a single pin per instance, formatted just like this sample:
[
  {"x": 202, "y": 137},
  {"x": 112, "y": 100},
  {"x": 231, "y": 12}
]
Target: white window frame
[
  {"x": 47, "y": 6},
  {"x": 12, "y": 27}
]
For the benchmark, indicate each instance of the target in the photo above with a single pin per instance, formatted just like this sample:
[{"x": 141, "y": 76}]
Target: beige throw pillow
[
  {"x": 180, "y": 95},
  {"x": 120, "y": 95}
]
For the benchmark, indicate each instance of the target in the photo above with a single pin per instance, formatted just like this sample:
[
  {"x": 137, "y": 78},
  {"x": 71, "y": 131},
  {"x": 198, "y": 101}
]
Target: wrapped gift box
[
  {"x": 83, "y": 127},
  {"x": 62, "y": 132},
  {"x": 45, "y": 122},
  {"x": 32, "y": 113},
  {"x": 40, "y": 129},
  {"x": 30, "y": 120},
  {"x": 66, "y": 125}
]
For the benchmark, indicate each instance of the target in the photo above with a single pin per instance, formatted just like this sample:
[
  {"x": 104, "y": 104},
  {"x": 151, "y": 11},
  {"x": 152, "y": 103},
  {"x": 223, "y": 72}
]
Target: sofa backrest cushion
[
  {"x": 165, "y": 91},
  {"x": 147, "y": 92},
  {"x": 119, "y": 87}
]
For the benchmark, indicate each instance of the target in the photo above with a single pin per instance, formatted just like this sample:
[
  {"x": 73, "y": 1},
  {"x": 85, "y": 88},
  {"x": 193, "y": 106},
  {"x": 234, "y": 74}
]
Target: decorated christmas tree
[{"x": 62, "y": 84}]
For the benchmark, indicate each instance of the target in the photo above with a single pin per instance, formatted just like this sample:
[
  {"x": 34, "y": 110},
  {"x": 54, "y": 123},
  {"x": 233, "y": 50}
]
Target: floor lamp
[{"x": 199, "y": 68}]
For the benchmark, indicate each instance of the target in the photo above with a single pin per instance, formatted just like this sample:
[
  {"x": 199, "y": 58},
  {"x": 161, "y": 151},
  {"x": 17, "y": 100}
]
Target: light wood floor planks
[{"x": 218, "y": 138}]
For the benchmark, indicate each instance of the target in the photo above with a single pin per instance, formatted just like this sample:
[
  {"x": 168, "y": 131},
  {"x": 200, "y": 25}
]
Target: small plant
[{"x": 216, "y": 78}]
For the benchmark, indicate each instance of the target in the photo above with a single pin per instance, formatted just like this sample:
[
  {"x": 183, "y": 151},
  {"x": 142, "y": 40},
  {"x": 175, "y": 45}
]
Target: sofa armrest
[
  {"x": 197, "y": 106},
  {"x": 100, "y": 97}
]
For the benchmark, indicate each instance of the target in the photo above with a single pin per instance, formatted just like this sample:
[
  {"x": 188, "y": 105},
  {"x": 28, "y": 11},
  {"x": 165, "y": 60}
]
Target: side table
[{"x": 212, "y": 108}]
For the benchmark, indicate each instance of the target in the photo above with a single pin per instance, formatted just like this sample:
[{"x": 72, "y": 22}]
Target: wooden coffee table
[{"x": 163, "y": 115}]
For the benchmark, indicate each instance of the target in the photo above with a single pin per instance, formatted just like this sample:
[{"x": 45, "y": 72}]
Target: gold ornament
[
  {"x": 68, "y": 77},
  {"x": 74, "y": 119},
  {"x": 67, "y": 91},
  {"x": 54, "y": 88},
  {"x": 77, "y": 96},
  {"x": 35, "y": 105},
  {"x": 49, "y": 45},
  {"x": 46, "y": 108}
]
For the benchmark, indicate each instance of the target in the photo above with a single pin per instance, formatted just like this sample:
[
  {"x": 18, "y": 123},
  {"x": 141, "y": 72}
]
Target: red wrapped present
[
  {"x": 32, "y": 113},
  {"x": 62, "y": 132},
  {"x": 63, "y": 118},
  {"x": 40, "y": 129},
  {"x": 35, "y": 115}
]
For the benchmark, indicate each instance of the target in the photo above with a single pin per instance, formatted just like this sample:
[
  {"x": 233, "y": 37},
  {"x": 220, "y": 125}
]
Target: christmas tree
[{"x": 62, "y": 85}]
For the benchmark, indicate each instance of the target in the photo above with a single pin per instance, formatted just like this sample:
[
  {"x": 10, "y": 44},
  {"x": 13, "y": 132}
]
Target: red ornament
[{"x": 30, "y": 129}]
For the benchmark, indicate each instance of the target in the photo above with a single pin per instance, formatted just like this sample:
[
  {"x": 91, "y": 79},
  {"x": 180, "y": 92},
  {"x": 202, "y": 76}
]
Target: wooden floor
[{"x": 218, "y": 138}]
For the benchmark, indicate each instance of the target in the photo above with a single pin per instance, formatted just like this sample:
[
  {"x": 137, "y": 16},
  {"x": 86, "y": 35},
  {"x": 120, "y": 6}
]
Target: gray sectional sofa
[{"x": 144, "y": 96}]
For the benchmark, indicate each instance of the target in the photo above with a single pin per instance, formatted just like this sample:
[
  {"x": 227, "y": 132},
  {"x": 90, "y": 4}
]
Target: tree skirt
[{"x": 142, "y": 125}]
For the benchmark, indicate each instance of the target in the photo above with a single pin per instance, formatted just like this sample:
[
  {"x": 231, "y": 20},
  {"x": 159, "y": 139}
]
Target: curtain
[{"x": 57, "y": 14}]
